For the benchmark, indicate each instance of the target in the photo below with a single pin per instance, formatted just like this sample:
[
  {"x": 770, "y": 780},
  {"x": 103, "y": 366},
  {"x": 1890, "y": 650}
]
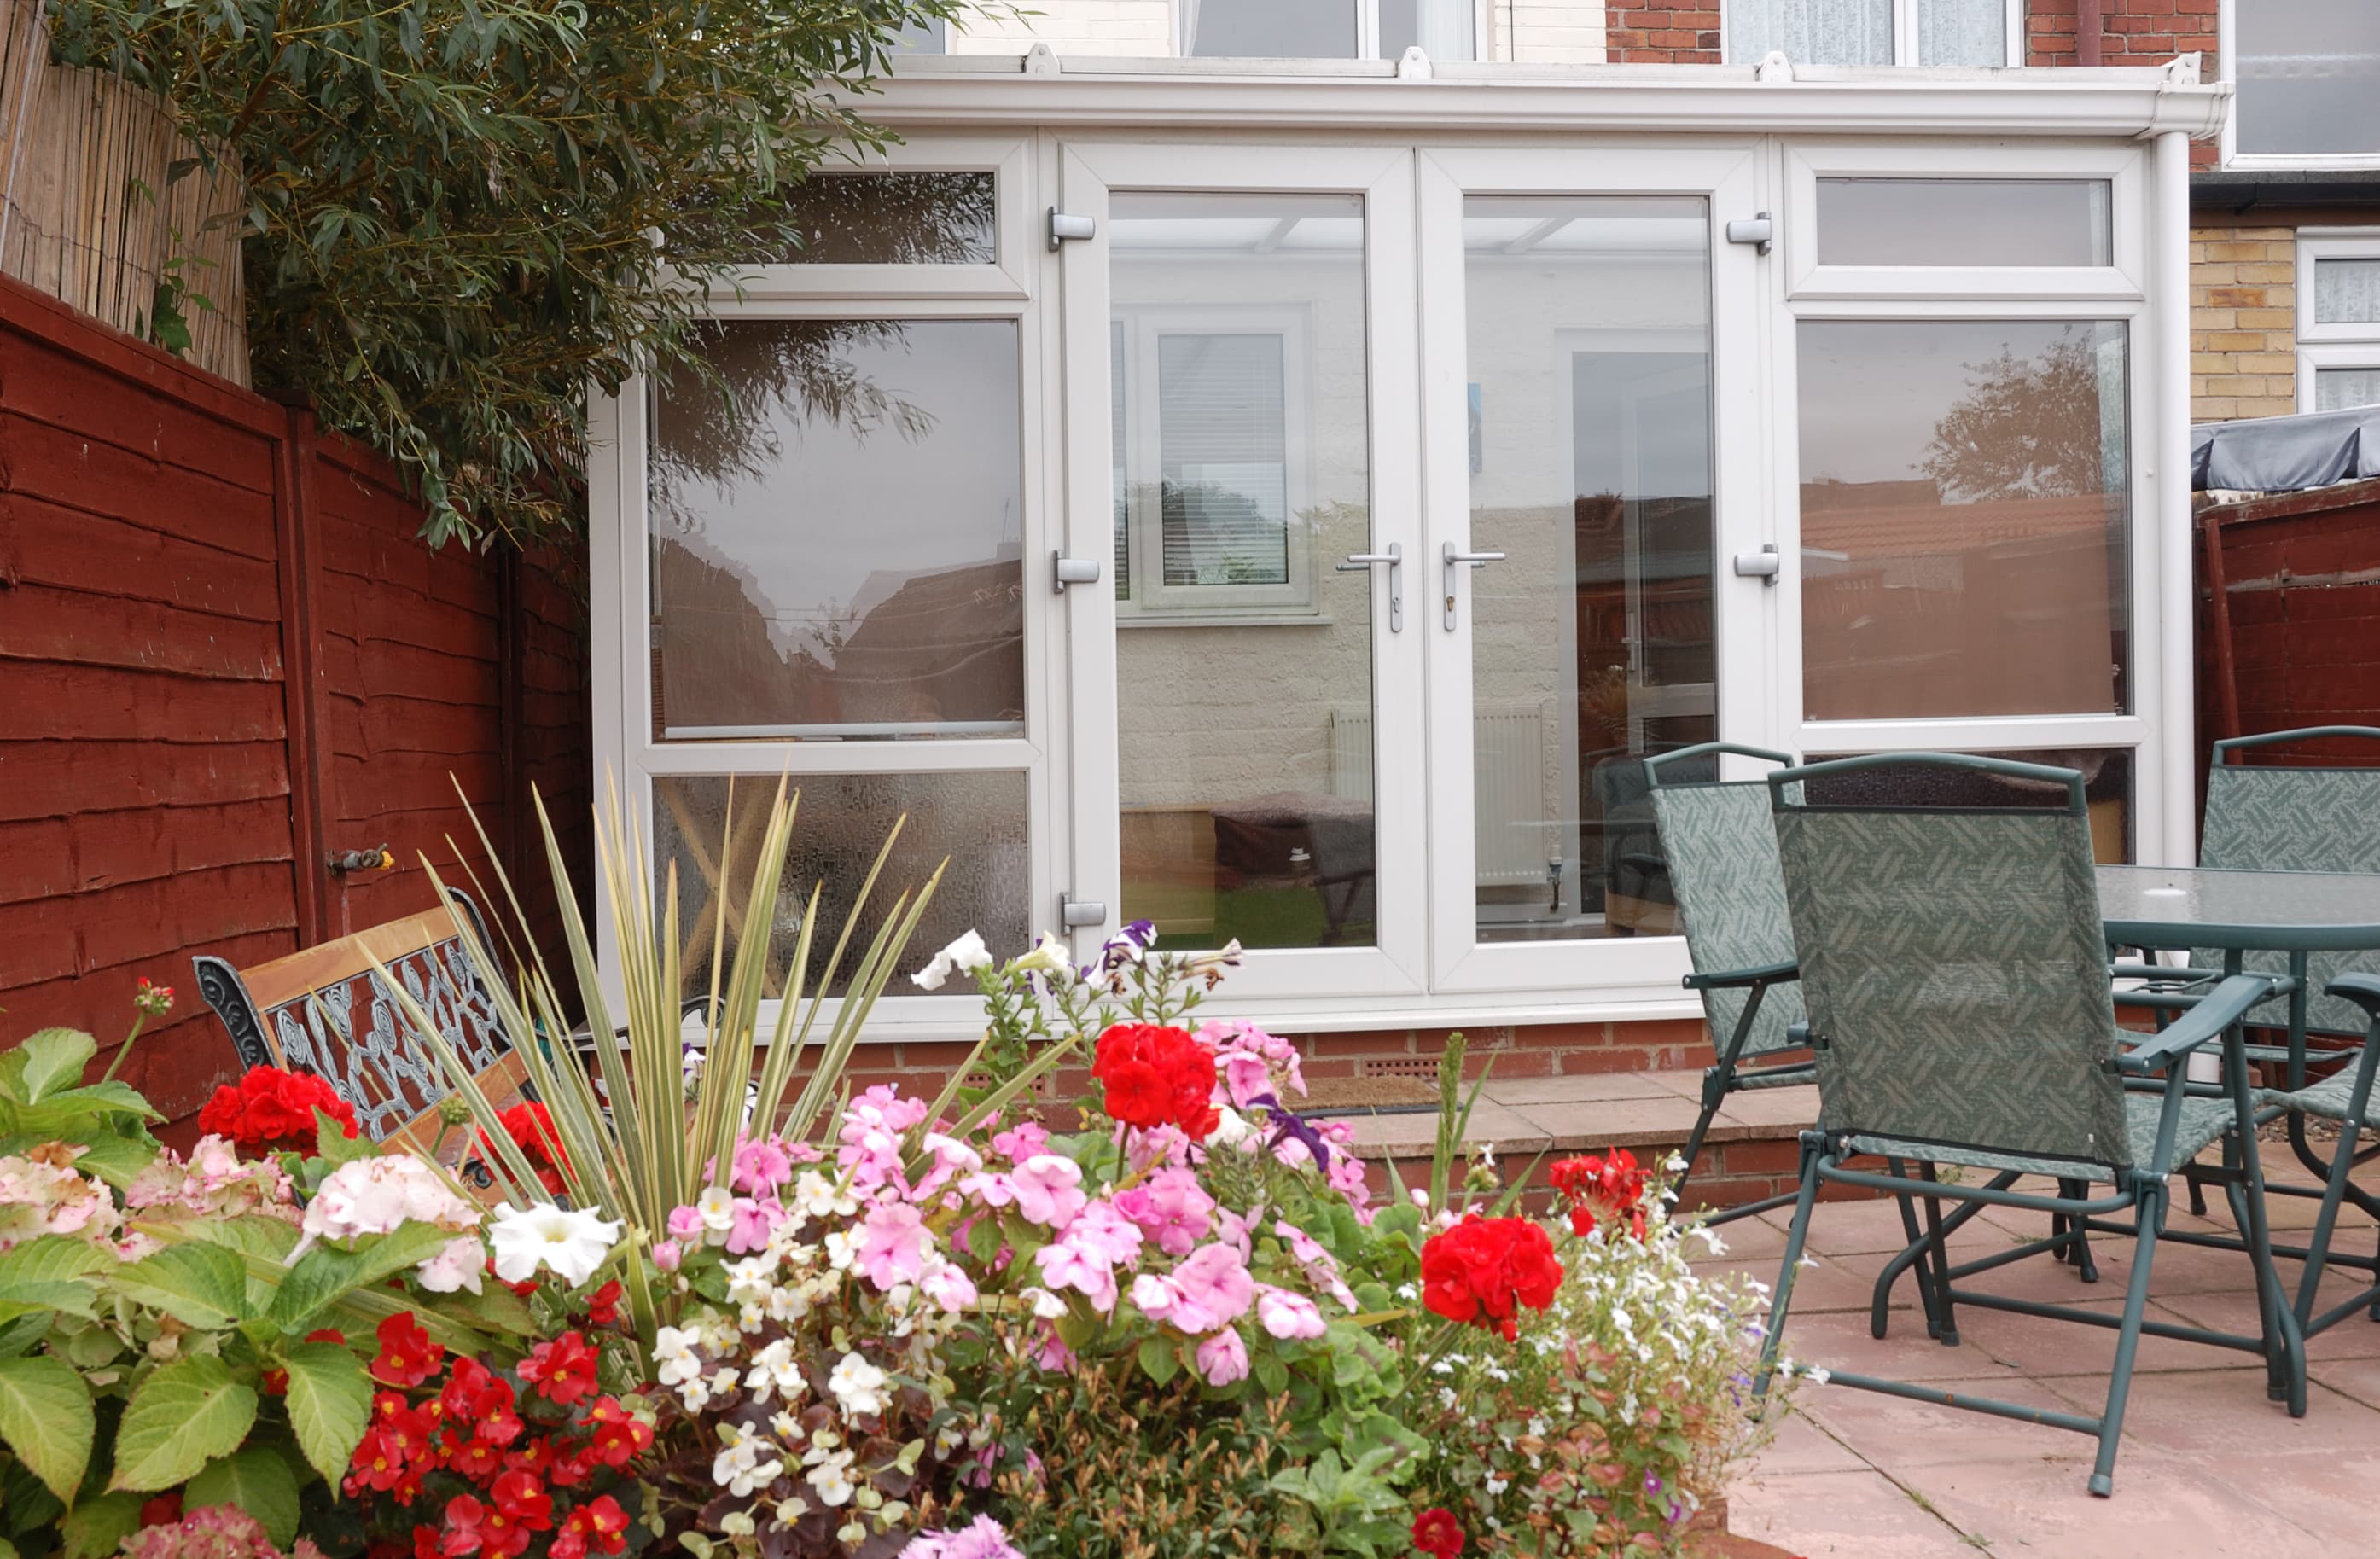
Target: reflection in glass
[
  {"x": 976, "y": 822},
  {"x": 2309, "y": 77},
  {"x": 895, "y": 218},
  {"x": 1810, "y": 32},
  {"x": 836, "y": 553},
  {"x": 1271, "y": 28},
  {"x": 2343, "y": 389},
  {"x": 1442, "y": 29},
  {"x": 1590, "y": 396},
  {"x": 1963, "y": 518},
  {"x": 2106, "y": 789},
  {"x": 1965, "y": 222},
  {"x": 2347, "y": 291},
  {"x": 1244, "y": 658}
]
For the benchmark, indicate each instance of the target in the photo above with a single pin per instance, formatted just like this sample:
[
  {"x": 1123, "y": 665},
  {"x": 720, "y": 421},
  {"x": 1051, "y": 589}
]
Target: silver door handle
[
  {"x": 1394, "y": 557},
  {"x": 1453, "y": 557}
]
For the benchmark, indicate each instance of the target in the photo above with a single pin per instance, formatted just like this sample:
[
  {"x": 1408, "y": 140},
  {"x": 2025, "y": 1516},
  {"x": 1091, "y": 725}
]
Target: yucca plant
[{"x": 637, "y": 1141}]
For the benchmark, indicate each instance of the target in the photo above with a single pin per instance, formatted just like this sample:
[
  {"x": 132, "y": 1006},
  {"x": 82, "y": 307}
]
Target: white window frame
[
  {"x": 1367, "y": 31},
  {"x": 1808, "y": 162},
  {"x": 1905, "y": 35},
  {"x": 1918, "y": 293},
  {"x": 2227, "y": 37},
  {"x": 1006, "y": 158},
  {"x": 2331, "y": 345},
  {"x": 1152, "y": 600}
]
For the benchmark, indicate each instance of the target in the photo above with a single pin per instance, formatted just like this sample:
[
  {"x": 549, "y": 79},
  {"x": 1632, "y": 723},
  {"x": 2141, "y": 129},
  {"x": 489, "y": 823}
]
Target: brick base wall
[{"x": 1663, "y": 32}]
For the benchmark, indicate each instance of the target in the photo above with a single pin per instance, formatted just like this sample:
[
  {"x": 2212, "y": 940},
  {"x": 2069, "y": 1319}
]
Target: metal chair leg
[
  {"x": 2149, "y": 1214},
  {"x": 1714, "y": 1090},
  {"x": 1796, "y": 1237},
  {"x": 2326, "y": 1223},
  {"x": 2197, "y": 1199},
  {"x": 1938, "y": 1251},
  {"x": 1880, "y": 1303},
  {"x": 2078, "y": 1248}
]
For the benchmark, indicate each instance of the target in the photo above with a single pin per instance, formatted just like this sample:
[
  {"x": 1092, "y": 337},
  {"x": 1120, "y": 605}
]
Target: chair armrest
[
  {"x": 2222, "y": 1008},
  {"x": 2364, "y": 990},
  {"x": 1729, "y": 979},
  {"x": 2163, "y": 974}
]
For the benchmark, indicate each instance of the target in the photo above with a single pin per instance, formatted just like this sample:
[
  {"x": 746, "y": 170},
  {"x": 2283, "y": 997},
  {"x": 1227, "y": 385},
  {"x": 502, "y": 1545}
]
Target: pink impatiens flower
[
  {"x": 1085, "y": 1256},
  {"x": 753, "y": 1221},
  {"x": 1026, "y": 1140},
  {"x": 761, "y": 1166},
  {"x": 1171, "y": 1208},
  {"x": 1223, "y": 1359},
  {"x": 1212, "y": 1288},
  {"x": 893, "y": 1242},
  {"x": 686, "y": 1223},
  {"x": 1048, "y": 1189},
  {"x": 1286, "y": 1315}
]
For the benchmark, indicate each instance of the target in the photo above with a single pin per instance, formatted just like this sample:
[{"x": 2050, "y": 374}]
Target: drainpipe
[
  {"x": 2177, "y": 735},
  {"x": 2087, "y": 27}
]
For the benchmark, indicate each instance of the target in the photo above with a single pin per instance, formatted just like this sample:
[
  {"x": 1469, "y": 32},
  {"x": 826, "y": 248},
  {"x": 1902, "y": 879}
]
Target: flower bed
[{"x": 1172, "y": 1319}]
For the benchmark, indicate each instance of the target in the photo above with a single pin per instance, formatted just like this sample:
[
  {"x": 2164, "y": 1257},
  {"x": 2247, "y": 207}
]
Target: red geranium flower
[
  {"x": 1154, "y": 1076},
  {"x": 1437, "y": 1533},
  {"x": 530, "y": 1127},
  {"x": 1481, "y": 1270},
  {"x": 604, "y": 1305},
  {"x": 1612, "y": 1182},
  {"x": 407, "y": 1356},
  {"x": 563, "y": 1371},
  {"x": 271, "y": 1111}
]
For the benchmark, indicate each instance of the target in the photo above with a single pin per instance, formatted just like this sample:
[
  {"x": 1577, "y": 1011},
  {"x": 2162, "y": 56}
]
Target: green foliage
[
  {"x": 46, "y": 1418},
  {"x": 257, "y": 1480},
  {"x": 463, "y": 212},
  {"x": 188, "y": 1412},
  {"x": 329, "y": 1403}
]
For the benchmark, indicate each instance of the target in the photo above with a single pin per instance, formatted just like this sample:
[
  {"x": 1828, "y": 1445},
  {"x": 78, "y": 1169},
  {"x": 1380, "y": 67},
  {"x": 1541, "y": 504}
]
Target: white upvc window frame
[
  {"x": 2119, "y": 293},
  {"x": 2323, "y": 345},
  {"x": 2226, "y": 34},
  {"x": 1152, "y": 600},
  {"x": 1904, "y": 35},
  {"x": 620, "y": 563},
  {"x": 1367, "y": 31}
]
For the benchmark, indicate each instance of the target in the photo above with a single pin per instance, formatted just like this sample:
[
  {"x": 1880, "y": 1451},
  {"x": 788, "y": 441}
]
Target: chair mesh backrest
[
  {"x": 1956, "y": 976},
  {"x": 1721, "y": 845},
  {"x": 2295, "y": 820}
]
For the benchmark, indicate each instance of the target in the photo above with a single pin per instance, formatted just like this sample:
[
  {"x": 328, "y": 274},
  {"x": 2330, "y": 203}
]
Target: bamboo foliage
[{"x": 102, "y": 200}]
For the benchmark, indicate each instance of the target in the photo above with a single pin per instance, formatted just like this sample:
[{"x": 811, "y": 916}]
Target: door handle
[
  {"x": 1762, "y": 566},
  {"x": 1357, "y": 562},
  {"x": 1453, "y": 557}
]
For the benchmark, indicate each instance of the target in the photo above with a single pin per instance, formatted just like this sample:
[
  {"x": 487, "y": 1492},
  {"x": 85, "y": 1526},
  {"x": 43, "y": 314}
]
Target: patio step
[{"x": 1751, "y": 1151}]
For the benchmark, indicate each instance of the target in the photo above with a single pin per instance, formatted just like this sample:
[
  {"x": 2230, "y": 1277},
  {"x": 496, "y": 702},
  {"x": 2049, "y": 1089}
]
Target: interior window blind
[{"x": 1223, "y": 444}]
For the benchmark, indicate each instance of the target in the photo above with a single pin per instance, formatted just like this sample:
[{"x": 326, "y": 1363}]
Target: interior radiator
[{"x": 1512, "y": 786}]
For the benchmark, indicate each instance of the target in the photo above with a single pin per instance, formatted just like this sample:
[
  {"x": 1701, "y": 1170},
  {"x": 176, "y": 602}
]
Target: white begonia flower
[
  {"x": 842, "y": 1250},
  {"x": 1048, "y": 956},
  {"x": 572, "y": 1244},
  {"x": 776, "y": 1371},
  {"x": 831, "y": 1479},
  {"x": 674, "y": 1357},
  {"x": 750, "y": 1280},
  {"x": 965, "y": 956},
  {"x": 792, "y": 1508},
  {"x": 717, "y": 1205},
  {"x": 859, "y": 1387},
  {"x": 817, "y": 1197},
  {"x": 1046, "y": 1305}
]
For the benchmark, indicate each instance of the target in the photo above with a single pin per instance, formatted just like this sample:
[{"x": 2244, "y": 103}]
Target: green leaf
[
  {"x": 201, "y": 1286},
  {"x": 46, "y": 1416},
  {"x": 327, "y": 1273},
  {"x": 186, "y": 1414},
  {"x": 1271, "y": 1372},
  {"x": 336, "y": 1147},
  {"x": 97, "y": 1525},
  {"x": 330, "y": 1405},
  {"x": 117, "y": 1159},
  {"x": 55, "y": 1058},
  {"x": 24, "y": 1330},
  {"x": 1158, "y": 1360},
  {"x": 52, "y": 1273},
  {"x": 256, "y": 1480}
]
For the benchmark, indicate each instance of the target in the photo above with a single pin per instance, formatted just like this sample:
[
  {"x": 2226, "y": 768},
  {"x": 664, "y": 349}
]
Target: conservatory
[{"x": 1284, "y": 502}]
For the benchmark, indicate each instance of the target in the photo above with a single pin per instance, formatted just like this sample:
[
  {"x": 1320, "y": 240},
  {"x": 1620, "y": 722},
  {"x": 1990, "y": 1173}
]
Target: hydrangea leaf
[
  {"x": 46, "y": 1416},
  {"x": 180, "y": 1419}
]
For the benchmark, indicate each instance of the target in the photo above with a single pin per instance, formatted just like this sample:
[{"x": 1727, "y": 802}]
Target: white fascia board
[{"x": 1366, "y": 94}]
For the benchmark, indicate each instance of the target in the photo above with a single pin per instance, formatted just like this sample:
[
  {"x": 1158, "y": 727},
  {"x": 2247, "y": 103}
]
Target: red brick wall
[
  {"x": 170, "y": 546},
  {"x": 1661, "y": 31}
]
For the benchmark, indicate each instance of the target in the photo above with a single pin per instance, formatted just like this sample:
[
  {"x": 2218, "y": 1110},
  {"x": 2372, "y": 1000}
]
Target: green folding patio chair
[
  {"x": 1721, "y": 851},
  {"x": 1962, "y": 1012},
  {"x": 2344, "y": 1097}
]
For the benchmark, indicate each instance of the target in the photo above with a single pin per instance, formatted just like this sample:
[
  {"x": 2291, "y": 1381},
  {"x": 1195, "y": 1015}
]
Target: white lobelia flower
[
  {"x": 1049, "y": 957},
  {"x": 572, "y": 1244},
  {"x": 858, "y": 1386},
  {"x": 966, "y": 956}
]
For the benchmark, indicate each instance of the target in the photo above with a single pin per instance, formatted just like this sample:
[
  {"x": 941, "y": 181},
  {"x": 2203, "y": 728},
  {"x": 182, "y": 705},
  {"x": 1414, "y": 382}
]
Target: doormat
[{"x": 1368, "y": 1096}]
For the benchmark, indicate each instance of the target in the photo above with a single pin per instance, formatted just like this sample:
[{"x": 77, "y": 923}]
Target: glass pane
[
  {"x": 2106, "y": 789},
  {"x": 2309, "y": 77},
  {"x": 1590, "y": 394},
  {"x": 923, "y": 35},
  {"x": 1962, "y": 32},
  {"x": 2347, "y": 291},
  {"x": 1270, "y": 29},
  {"x": 894, "y": 219},
  {"x": 836, "y": 553},
  {"x": 1965, "y": 222},
  {"x": 1810, "y": 32},
  {"x": 1442, "y": 28},
  {"x": 1243, "y": 659},
  {"x": 974, "y": 820},
  {"x": 2341, "y": 389},
  {"x": 1963, "y": 518}
]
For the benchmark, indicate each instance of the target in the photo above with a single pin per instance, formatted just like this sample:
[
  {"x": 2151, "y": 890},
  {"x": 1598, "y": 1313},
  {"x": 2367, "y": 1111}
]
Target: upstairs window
[
  {"x": 1941, "y": 32},
  {"x": 2308, "y": 76},
  {"x": 2338, "y": 318},
  {"x": 1327, "y": 29}
]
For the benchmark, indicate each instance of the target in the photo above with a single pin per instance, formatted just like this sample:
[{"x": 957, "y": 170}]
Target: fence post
[{"x": 292, "y": 516}]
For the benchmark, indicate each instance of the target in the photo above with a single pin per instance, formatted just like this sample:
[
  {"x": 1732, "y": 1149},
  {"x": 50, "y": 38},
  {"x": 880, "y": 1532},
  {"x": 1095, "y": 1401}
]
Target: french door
[{"x": 1418, "y": 479}]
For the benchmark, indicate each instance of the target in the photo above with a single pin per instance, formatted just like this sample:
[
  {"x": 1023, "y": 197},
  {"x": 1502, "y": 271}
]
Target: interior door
[
  {"x": 1240, "y": 393},
  {"x": 1591, "y": 344}
]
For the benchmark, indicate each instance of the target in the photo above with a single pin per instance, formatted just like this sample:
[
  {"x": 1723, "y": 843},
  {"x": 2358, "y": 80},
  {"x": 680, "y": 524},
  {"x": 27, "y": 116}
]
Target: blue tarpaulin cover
[{"x": 2286, "y": 454}]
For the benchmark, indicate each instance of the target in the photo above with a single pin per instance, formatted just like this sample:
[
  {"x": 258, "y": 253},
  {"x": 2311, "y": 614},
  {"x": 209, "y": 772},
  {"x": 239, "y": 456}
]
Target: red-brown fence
[{"x": 225, "y": 657}]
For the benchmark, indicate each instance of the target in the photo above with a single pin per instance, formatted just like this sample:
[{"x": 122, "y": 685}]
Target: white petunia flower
[
  {"x": 1048, "y": 956},
  {"x": 965, "y": 956},
  {"x": 571, "y": 1244}
]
